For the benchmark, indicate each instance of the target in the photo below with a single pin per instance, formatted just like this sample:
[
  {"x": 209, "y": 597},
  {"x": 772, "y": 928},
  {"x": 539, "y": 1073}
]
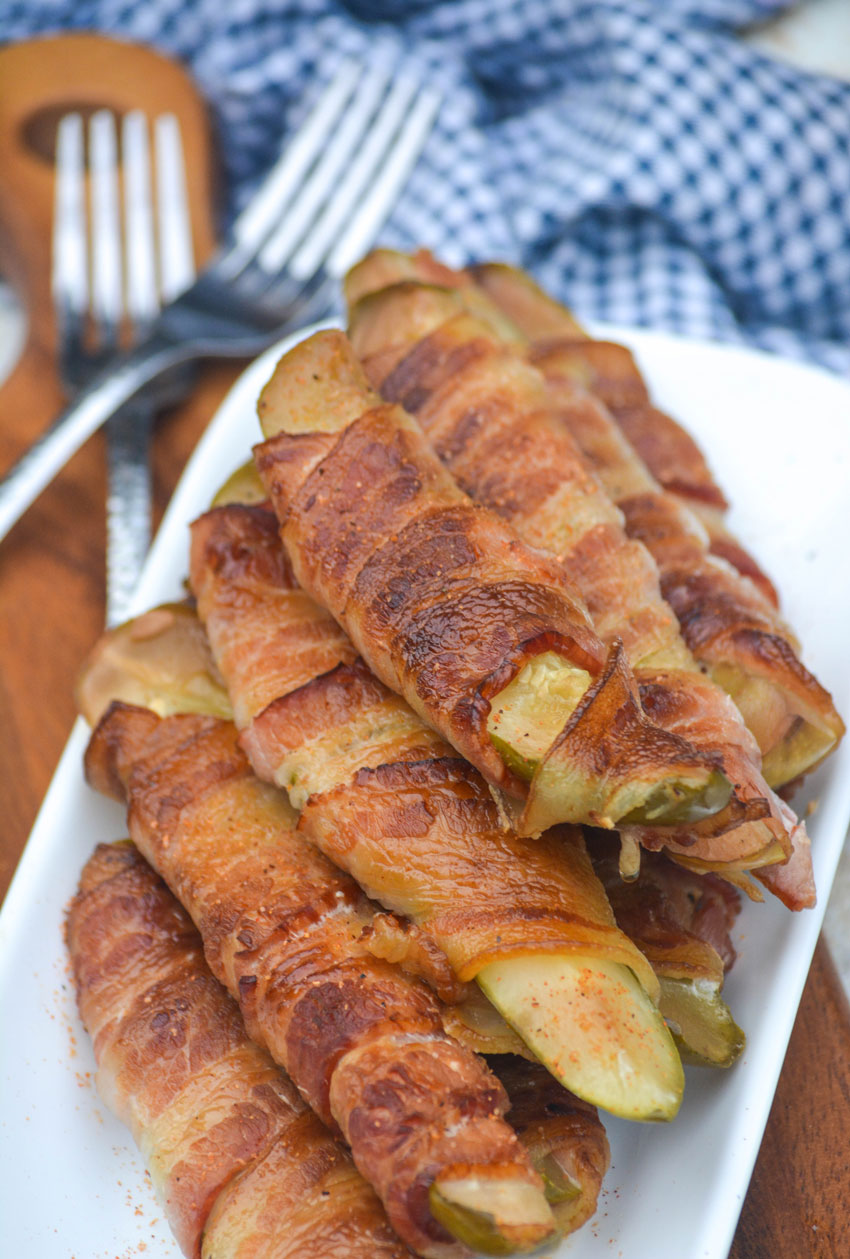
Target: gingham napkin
[{"x": 642, "y": 161}]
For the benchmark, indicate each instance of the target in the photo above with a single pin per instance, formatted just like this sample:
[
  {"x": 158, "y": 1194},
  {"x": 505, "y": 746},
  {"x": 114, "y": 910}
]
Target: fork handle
[{"x": 93, "y": 406}]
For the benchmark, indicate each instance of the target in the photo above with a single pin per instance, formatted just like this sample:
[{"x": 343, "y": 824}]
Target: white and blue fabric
[{"x": 642, "y": 161}]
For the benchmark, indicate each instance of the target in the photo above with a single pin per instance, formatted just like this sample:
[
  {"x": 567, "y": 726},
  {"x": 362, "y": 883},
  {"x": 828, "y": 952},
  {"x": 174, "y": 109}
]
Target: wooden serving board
[{"x": 52, "y": 603}]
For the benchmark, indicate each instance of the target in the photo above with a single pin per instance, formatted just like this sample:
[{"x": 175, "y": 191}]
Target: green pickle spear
[
  {"x": 514, "y": 1224},
  {"x": 701, "y": 1022},
  {"x": 568, "y": 1010}
]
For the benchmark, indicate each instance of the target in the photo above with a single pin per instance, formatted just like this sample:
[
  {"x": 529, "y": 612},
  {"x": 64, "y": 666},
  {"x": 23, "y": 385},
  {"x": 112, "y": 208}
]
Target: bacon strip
[
  {"x": 444, "y": 603},
  {"x": 681, "y": 919},
  {"x": 281, "y": 929},
  {"x": 382, "y": 796},
  {"x": 562, "y": 1133},
  {"x": 730, "y": 624},
  {"x": 239, "y": 1161},
  {"x": 490, "y": 419}
]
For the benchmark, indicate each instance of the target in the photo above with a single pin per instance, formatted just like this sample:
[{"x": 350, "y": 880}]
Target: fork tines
[
  {"x": 93, "y": 276},
  {"x": 322, "y": 203}
]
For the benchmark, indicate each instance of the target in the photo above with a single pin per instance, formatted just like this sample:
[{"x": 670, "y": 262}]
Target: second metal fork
[
  {"x": 319, "y": 209},
  {"x": 111, "y": 270}
]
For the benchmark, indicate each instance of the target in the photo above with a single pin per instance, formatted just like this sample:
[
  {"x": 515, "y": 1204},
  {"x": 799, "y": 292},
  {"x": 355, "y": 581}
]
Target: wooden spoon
[{"x": 40, "y": 81}]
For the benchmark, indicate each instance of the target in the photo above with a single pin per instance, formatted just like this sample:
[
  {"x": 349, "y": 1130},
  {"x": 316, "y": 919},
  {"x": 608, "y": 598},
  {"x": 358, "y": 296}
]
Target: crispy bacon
[
  {"x": 609, "y": 371},
  {"x": 240, "y": 1162},
  {"x": 282, "y": 929},
  {"x": 490, "y": 419},
  {"x": 729, "y": 621},
  {"x": 681, "y": 919},
  {"x": 561, "y": 1132},
  {"x": 383, "y": 797},
  {"x": 443, "y": 601}
]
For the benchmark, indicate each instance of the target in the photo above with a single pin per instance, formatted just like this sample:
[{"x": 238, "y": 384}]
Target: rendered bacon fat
[
  {"x": 243, "y": 1167},
  {"x": 489, "y": 418},
  {"x": 730, "y": 625},
  {"x": 391, "y": 803},
  {"x": 282, "y": 930},
  {"x": 450, "y": 609}
]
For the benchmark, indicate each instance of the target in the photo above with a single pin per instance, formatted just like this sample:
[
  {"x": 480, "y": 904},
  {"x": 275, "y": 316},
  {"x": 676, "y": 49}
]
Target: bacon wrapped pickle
[
  {"x": 241, "y": 1164},
  {"x": 681, "y": 920},
  {"x": 532, "y": 956},
  {"x": 609, "y": 371},
  {"x": 563, "y": 1135},
  {"x": 489, "y": 416},
  {"x": 391, "y": 803},
  {"x": 476, "y": 630},
  {"x": 730, "y": 624},
  {"x": 282, "y": 930}
]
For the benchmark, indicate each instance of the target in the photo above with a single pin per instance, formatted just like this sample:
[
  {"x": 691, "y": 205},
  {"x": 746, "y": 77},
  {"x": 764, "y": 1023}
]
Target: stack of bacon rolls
[{"x": 465, "y": 745}]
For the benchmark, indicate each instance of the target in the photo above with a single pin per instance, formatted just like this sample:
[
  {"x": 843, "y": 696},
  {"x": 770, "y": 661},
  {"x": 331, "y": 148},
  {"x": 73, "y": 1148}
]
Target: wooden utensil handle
[{"x": 41, "y": 80}]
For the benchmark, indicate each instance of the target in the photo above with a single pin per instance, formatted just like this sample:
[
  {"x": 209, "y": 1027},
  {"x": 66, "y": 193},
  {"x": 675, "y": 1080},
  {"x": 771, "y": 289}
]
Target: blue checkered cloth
[{"x": 645, "y": 164}]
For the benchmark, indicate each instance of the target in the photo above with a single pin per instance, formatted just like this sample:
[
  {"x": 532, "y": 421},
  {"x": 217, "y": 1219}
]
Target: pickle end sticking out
[
  {"x": 701, "y": 1022},
  {"x": 590, "y": 1022},
  {"x": 669, "y": 804},
  {"x": 558, "y": 1184},
  {"x": 244, "y": 486},
  {"x": 159, "y": 660},
  {"x": 792, "y": 743},
  {"x": 317, "y": 387},
  {"x": 493, "y": 1217},
  {"x": 527, "y": 716}
]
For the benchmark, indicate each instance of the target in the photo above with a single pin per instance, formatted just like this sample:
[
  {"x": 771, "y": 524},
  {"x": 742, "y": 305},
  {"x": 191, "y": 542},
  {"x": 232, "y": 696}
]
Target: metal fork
[
  {"x": 103, "y": 276},
  {"x": 318, "y": 210}
]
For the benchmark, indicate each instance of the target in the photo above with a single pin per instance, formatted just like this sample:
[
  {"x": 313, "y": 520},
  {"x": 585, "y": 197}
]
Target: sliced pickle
[
  {"x": 505, "y": 1217},
  {"x": 765, "y": 708},
  {"x": 558, "y": 1185},
  {"x": 529, "y": 714},
  {"x": 668, "y": 805},
  {"x": 592, "y": 1025},
  {"x": 242, "y": 486},
  {"x": 159, "y": 660},
  {"x": 701, "y": 1022}
]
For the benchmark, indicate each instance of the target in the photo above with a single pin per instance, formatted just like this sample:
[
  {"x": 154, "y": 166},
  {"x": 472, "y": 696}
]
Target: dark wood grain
[{"x": 52, "y": 595}]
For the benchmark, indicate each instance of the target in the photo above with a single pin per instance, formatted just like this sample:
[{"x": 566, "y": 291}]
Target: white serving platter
[{"x": 71, "y": 1184}]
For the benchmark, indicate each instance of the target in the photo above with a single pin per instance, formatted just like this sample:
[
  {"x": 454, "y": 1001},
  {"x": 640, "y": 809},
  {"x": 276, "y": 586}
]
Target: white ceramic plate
[{"x": 71, "y": 1184}]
